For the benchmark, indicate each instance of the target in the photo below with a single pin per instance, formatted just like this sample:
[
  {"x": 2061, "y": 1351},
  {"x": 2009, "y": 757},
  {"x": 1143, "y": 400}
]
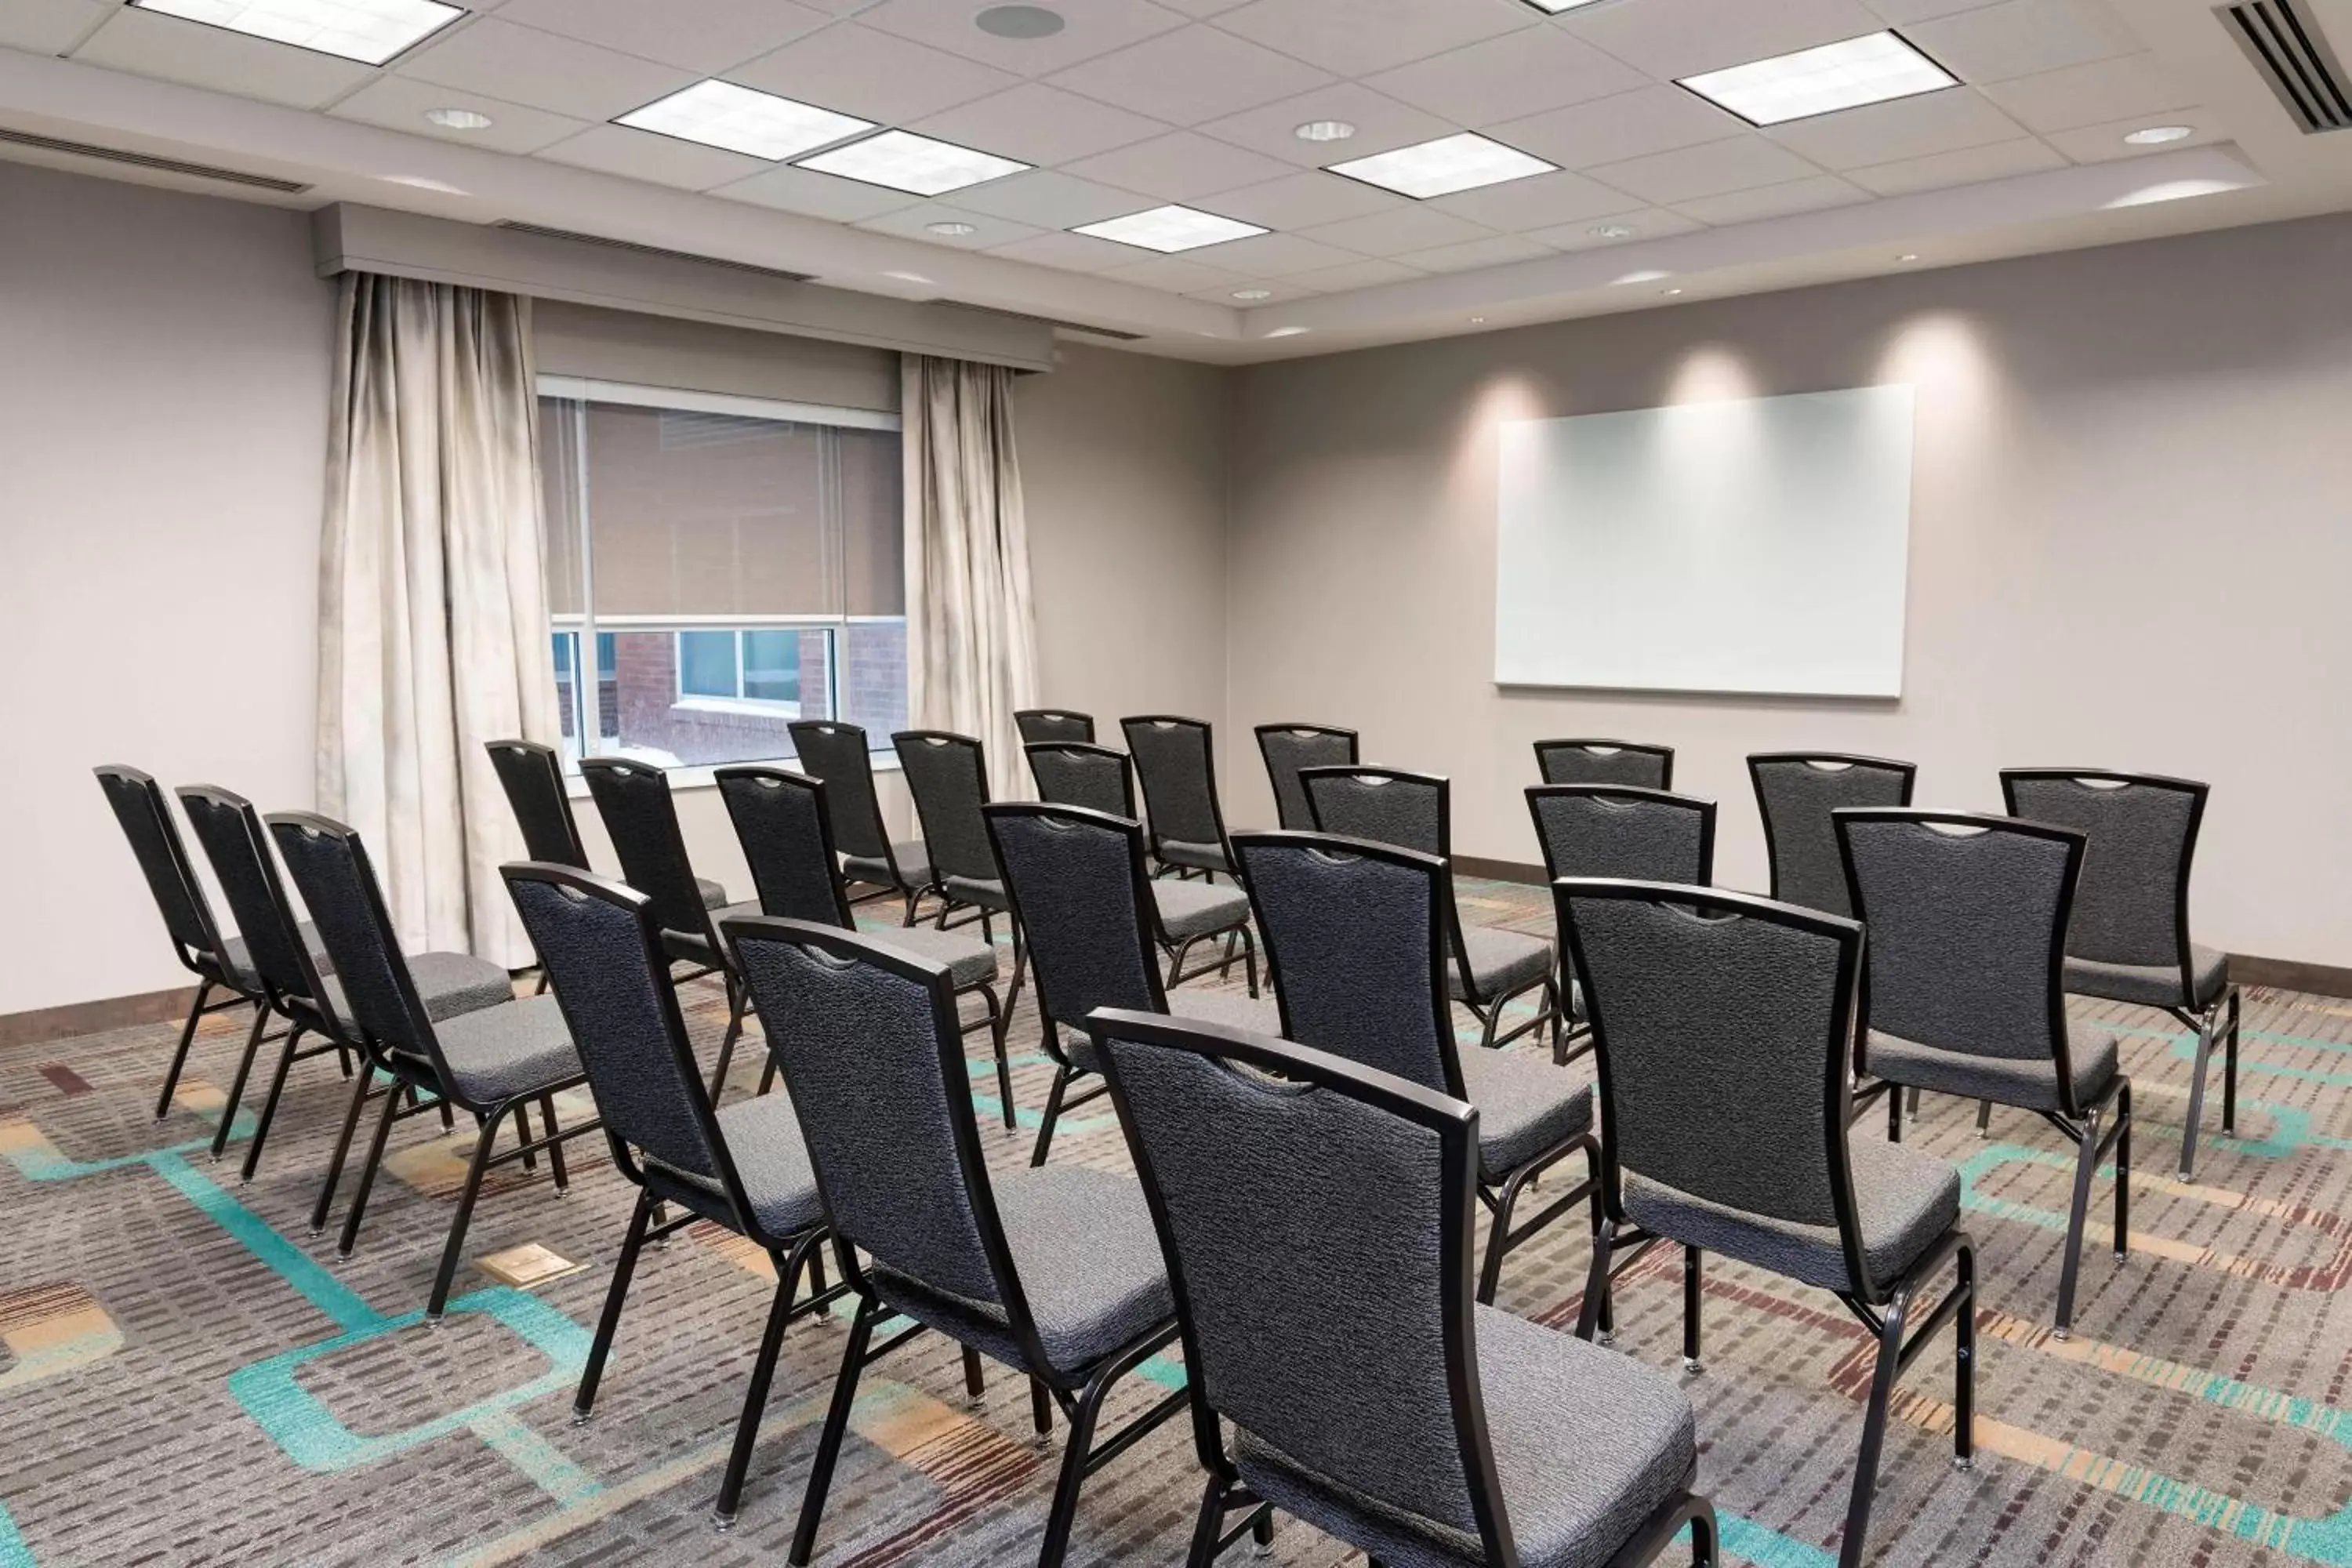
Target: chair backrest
[
  {"x": 1628, "y": 762},
  {"x": 138, "y": 803},
  {"x": 1608, "y": 831},
  {"x": 1356, "y": 932},
  {"x": 1038, "y": 725},
  {"x": 1287, "y": 748},
  {"x": 1081, "y": 897},
  {"x": 1078, "y": 773},
  {"x": 532, "y": 776},
  {"x": 1175, "y": 764},
  {"x": 1386, "y": 805},
  {"x": 947, "y": 776},
  {"x": 866, "y": 1039},
  {"x": 1721, "y": 1025},
  {"x": 1795, "y": 793},
  {"x": 837, "y": 754},
  {"x": 2132, "y": 905},
  {"x": 1286, "y": 1184},
  {"x": 1967, "y": 917},
  {"x": 331, "y": 870},
  {"x": 236, "y": 844},
  {"x": 603, "y": 955},
  {"x": 641, "y": 818},
  {"x": 780, "y": 820}
]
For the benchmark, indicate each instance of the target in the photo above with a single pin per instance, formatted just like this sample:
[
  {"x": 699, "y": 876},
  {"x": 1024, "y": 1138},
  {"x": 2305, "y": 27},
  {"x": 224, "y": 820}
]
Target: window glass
[{"x": 706, "y": 664}]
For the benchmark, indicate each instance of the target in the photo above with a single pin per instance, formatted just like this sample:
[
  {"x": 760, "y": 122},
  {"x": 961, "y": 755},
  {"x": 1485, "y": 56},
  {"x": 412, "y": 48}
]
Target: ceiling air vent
[
  {"x": 1111, "y": 333},
  {"x": 2293, "y": 55},
  {"x": 632, "y": 246},
  {"x": 150, "y": 161}
]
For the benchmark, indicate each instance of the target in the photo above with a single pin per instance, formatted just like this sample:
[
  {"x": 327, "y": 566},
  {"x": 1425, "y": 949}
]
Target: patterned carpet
[{"x": 186, "y": 1376}]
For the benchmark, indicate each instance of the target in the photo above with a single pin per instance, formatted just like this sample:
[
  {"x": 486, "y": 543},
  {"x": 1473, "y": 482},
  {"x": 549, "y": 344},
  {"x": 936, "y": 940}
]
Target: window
[{"x": 737, "y": 562}]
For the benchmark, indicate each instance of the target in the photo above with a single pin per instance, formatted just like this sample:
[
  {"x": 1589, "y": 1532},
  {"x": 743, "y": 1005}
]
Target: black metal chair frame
[
  {"x": 900, "y": 886},
  {"x": 1666, "y": 755},
  {"x": 1209, "y": 770},
  {"x": 1883, "y": 1307},
  {"x": 555, "y": 840},
  {"x": 949, "y": 903},
  {"x": 1274, "y": 772},
  {"x": 1080, "y": 1398},
  {"x": 2218, "y": 1021},
  {"x": 1454, "y": 1123},
  {"x": 1043, "y": 726}
]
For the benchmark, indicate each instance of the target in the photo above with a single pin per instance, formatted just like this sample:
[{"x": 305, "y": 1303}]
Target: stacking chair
[
  {"x": 1038, "y": 725},
  {"x": 635, "y": 801},
  {"x": 1613, "y": 830},
  {"x": 1357, "y": 935},
  {"x": 532, "y": 776},
  {"x": 1178, "y": 774},
  {"x": 947, "y": 776},
  {"x": 1054, "y": 1273},
  {"x": 787, "y": 839},
  {"x": 1430, "y": 1430},
  {"x": 1076, "y": 773},
  {"x": 1624, "y": 762},
  {"x": 2129, "y": 939},
  {"x": 1094, "y": 915},
  {"x": 493, "y": 1061},
  {"x": 1490, "y": 966},
  {"x": 1795, "y": 793},
  {"x": 744, "y": 1168},
  {"x": 292, "y": 987},
  {"x": 1722, "y": 1025},
  {"x": 1287, "y": 748},
  {"x": 836, "y": 754},
  {"x": 1965, "y": 990}
]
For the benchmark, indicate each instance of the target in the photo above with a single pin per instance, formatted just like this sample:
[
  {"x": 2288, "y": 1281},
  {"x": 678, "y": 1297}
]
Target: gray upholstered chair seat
[
  {"x": 238, "y": 962},
  {"x": 2156, "y": 985},
  {"x": 764, "y": 1139},
  {"x": 1088, "y": 1261},
  {"x": 520, "y": 1048},
  {"x": 1904, "y": 1199},
  {"x": 692, "y": 947},
  {"x": 714, "y": 894},
  {"x": 1195, "y": 857},
  {"x": 1587, "y": 1444},
  {"x": 1526, "y": 1105},
  {"x": 988, "y": 894},
  {"x": 447, "y": 983},
  {"x": 2029, "y": 1082},
  {"x": 969, "y": 961},
  {"x": 1500, "y": 962},
  {"x": 1231, "y": 1009},
  {"x": 914, "y": 866},
  {"x": 1199, "y": 908}
]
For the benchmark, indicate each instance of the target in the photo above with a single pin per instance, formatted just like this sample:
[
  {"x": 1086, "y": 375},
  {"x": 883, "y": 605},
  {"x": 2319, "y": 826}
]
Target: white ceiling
[{"x": 1135, "y": 103}]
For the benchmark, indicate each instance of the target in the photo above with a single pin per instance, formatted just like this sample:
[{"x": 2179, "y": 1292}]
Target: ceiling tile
[
  {"x": 1282, "y": 255},
  {"x": 1417, "y": 227},
  {"x": 1095, "y": 27},
  {"x": 1508, "y": 77},
  {"x": 1538, "y": 202},
  {"x": 987, "y": 231},
  {"x": 1039, "y": 124},
  {"x": 1071, "y": 252},
  {"x": 1738, "y": 163},
  {"x": 1933, "y": 122},
  {"x": 853, "y": 69},
  {"x": 1671, "y": 39},
  {"x": 1202, "y": 7},
  {"x": 706, "y": 36},
  {"x": 1279, "y": 291},
  {"x": 2022, "y": 38},
  {"x": 399, "y": 103},
  {"x": 2103, "y": 144},
  {"x": 648, "y": 155},
  {"x": 523, "y": 64},
  {"x": 1903, "y": 12},
  {"x": 1630, "y": 125},
  {"x": 842, "y": 7},
  {"x": 1356, "y": 37},
  {"x": 1972, "y": 166},
  {"x": 1177, "y": 274},
  {"x": 1357, "y": 275},
  {"x": 1179, "y": 167},
  {"x": 152, "y": 43},
  {"x": 1052, "y": 200},
  {"x": 1496, "y": 251},
  {"x": 48, "y": 26},
  {"x": 1776, "y": 201},
  {"x": 2119, "y": 88},
  {"x": 1195, "y": 74},
  {"x": 813, "y": 194},
  {"x": 1381, "y": 124},
  {"x": 1647, "y": 223},
  {"x": 1301, "y": 201}
]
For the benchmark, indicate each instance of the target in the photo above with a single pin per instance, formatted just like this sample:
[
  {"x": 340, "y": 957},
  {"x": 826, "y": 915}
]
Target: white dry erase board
[{"x": 1752, "y": 545}]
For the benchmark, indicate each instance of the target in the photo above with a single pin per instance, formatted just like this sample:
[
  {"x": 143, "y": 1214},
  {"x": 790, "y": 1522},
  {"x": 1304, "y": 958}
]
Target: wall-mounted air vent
[
  {"x": 2293, "y": 55},
  {"x": 150, "y": 161},
  {"x": 632, "y": 246},
  {"x": 1111, "y": 333}
]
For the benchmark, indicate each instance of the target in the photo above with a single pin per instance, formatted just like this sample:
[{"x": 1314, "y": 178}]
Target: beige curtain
[
  {"x": 432, "y": 630},
  {"x": 972, "y": 636}
]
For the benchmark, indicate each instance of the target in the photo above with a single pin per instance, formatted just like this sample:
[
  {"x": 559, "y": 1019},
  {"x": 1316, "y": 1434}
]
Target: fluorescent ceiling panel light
[
  {"x": 1169, "y": 229},
  {"x": 903, "y": 161},
  {"x": 1869, "y": 69},
  {"x": 1439, "y": 168},
  {"x": 371, "y": 31},
  {"x": 1557, "y": 7},
  {"x": 720, "y": 114},
  {"x": 2158, "y": 135}
]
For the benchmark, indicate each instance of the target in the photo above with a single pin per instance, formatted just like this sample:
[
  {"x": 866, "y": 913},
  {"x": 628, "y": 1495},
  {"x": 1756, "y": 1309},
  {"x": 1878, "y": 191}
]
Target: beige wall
[{"x": 2130, "y": 548}]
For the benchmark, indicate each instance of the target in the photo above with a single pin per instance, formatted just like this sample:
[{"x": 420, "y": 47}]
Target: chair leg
[
  {"x": 1706, "y": 1544},
  {"x": 1249, "y": 959},
  {"x": 454, "y": 1248},
  {"x": 2229, "y": 1070},
  {"x": 2086, "y": 1162},
  {"x": 914, "y": 897},
  {"x": 1694, "y": 1298},
  {"x": 1914, "y": 1106},
  {"x": 625, "y": 1269},
  {"x": 1003, "y": 1070},
  {"x": 541, "y": 989},
  {"x": 1053, "y": 1114},
  {"x": 368, "y": 1167},
  {"x": 836, "y": 1424},
  {"x": 727, "y": 1046},
  {"x": 554, "y": 1146},
  {"x": 236, "y": 1084},
  {"x": 1176, "y": 961},
  {"x": 1226, "y": 969},
  {"x": 342, "y": 1148},
  {"x": 1964, "y": 1367},
  {"x": 1074, "y": 1453},
  {"x": 1984, "y": 1118},
  {"x": 1596, "y": 1281},
  {"x": 1020, "y": 968},
  {"x": 975, "y": 1381},
  {"x": 2123, "y": 1170},
  {"x": 269, "y": 1106},
  {"x": 755, "y": 1398},
  {"x": 522, "y": 1137},
  {"x": 1208, "y": 1526},
  {"x": 2205, "y": 1032},
  {"x": 1873, "y": 1431},
  {"x": 1041, "y": 1412},
  {"x": 1894, "y": 1113},
  {"x": 180, "y": 1054},
  {"x": 1490, "y": 1268}
]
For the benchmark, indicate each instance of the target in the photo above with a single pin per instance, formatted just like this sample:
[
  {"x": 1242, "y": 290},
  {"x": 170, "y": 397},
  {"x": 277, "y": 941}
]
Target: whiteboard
[{"x": 1751, "y": 546}]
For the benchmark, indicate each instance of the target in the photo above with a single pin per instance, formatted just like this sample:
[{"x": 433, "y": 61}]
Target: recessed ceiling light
[
  {"x": 1613, "y": 231},
  {"x": 1325, "y": 131},
  {"x": 1284, "y": 331},
  {"x": 418, "y": 182},
  {"x": 371, "y": 31},
  {"x": 1459, "y": 163},
  {"x": 1868, "y": 69},
  {"x": 2172, "y": 191},
  {"x": 720, "y": 114},
  {"x": 908, "y": 277},
  {"x": 2158, "y": 135},
  {"x": 903, "y": 161},
  {"x": 1646, "y": 275},
  {"x": 1670, "y": 291},
  {"x": 1478, "y": 320},
  {"x": 459, "y": 119},
  {"x": 1019, "y": 22},
  {"x": 1909, "y": 256},
  {"x": 1253, "y": 294},
  {"x": 1171, "y": 229},
  {"x": 954, "y": 230}
]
